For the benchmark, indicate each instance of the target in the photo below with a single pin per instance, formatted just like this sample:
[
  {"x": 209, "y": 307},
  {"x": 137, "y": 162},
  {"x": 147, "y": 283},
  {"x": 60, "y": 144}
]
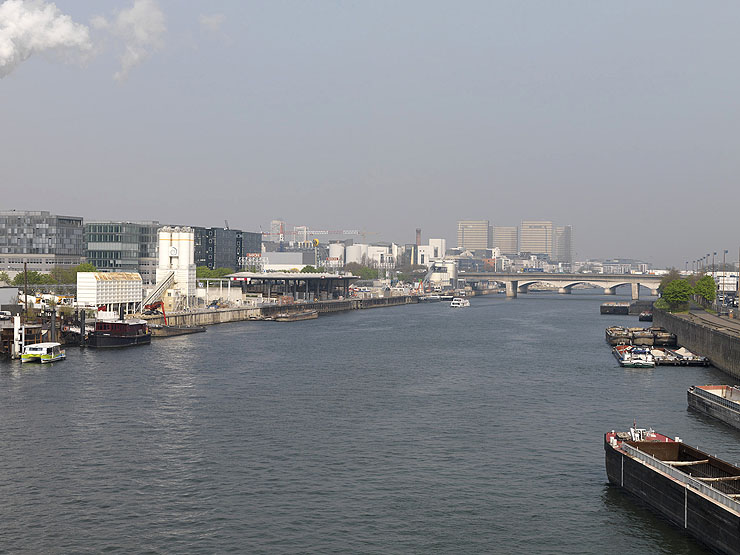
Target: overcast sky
[{"x": 619, "y": 118}]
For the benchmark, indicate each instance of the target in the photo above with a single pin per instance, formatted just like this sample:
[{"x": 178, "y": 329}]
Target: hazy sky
[{"x": 619, "y": 118}]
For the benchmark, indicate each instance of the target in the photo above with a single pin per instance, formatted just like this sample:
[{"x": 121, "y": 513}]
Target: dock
[{"x": 207, "y": 317}]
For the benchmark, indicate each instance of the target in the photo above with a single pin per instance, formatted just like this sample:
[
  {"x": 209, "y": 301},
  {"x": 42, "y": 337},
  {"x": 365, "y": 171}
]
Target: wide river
[{"x": 415, "y": 429}]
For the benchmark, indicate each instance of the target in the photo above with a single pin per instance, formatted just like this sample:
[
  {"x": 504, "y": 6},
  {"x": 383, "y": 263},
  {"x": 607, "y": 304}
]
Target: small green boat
[{"x": 43, "y": 352}]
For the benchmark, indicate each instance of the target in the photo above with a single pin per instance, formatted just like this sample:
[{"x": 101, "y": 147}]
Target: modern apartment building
[
  {"x": 40, "y": 239},
  {"x": 506, "y": 239},
  {"x": 474, "y": 234},
  {"x": 121, "y": 246},
  {"x": 217, "y": 247},
  {"x": 536, "y": 237}
]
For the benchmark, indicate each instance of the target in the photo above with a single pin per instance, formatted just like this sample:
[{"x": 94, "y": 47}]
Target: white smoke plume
[
  {"x": 33, "y": 27},
  {"x": 141, "y": 29},
  {"x": 29, "y": 27}
]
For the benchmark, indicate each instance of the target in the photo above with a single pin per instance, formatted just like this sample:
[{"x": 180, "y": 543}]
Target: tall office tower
[
  {"x": 40, "y": 239},
  {"x": 506, "y": 239},
  {"x": 536, "y": 237},
  {"x": 564, "y": 244},
  {"x": 123, "y": 247},
  {"x": 474, "y": 234}
]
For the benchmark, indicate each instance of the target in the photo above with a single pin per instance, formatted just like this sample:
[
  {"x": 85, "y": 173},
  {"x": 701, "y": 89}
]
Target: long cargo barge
[
  {"x": 718, "y": 401},
  {"x": 692, "y": 489}
]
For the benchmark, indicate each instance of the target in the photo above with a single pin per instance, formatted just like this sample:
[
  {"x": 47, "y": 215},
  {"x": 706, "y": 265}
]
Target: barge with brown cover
[{"x": 692, "y": 489}]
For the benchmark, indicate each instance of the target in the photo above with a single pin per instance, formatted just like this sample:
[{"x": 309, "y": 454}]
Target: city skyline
[{"x": 340, "y": 117}]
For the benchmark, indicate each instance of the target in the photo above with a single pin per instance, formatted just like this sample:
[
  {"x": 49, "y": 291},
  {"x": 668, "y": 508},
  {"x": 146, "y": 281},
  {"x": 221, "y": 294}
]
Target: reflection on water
[{"x": 407, "y": 429}]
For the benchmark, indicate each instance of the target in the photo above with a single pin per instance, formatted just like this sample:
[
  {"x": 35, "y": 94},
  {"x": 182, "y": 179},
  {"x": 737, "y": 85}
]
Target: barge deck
[{"x": 692, "y": 489}]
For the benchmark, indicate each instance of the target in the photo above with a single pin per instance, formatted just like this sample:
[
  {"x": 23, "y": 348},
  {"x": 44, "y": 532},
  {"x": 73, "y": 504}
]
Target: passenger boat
[
  {"x": 718, "y": 401},
  {"x": 646, "y": 316},
  {"x": 459, "y": 302},
  {"x": 692, "y": 489},
  {"x": 633, "y": 357},
  {"x": 43, "y": 352},
  {"x": 119, "y": 333}
]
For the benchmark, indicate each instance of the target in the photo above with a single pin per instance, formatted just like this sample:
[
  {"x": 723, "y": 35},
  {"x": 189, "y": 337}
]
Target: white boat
[
  {"x": 43, "y": 352},
  {"x": 459, "y": 302}
]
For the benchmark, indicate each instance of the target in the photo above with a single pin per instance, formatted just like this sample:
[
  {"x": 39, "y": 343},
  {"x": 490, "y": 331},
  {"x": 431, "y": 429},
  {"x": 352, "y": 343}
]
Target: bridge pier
[
  {"x": 523, "y": 289},
  {"x": 635, "y": 291},
  {"x": 511, "y": 289},
  {"x": 564, "y": 290},
  {"x": 610, "y": 290}
]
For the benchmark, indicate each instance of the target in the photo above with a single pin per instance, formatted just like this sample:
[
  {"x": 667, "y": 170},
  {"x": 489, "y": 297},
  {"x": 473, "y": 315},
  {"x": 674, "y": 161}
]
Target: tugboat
[{"x": 119, "y": 333}]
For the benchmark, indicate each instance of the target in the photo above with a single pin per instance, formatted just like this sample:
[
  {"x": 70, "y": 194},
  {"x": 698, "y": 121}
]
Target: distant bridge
[{"x": 520, "y": 282}]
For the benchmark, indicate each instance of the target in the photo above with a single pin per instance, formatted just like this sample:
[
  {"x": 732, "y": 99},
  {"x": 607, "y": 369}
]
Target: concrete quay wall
[
  {"x": 720, "y": 346},
  {"x": 223, "y": 315}
]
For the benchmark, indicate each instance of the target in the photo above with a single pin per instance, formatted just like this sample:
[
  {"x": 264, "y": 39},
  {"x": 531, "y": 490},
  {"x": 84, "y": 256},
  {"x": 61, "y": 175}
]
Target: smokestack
[{"x": 418, "y": 236}]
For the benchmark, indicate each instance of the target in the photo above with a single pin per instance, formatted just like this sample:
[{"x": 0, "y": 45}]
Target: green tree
[
  {"x": 363, "y": 272},
  {"x": 706, "y": 288},
  {"x": 672, "y": 275},
  {"x": 61, "y": 274},
  {"x": 310, "y": 270},
  {"x": 677, "y": 293},
  {"x": 204, "y": 272},
  {"x": 5, "y": 278},
  {"x": 34, "y": 278}
]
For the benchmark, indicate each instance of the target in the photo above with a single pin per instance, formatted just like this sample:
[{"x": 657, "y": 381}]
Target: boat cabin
[{"x": 121, "y": 327}]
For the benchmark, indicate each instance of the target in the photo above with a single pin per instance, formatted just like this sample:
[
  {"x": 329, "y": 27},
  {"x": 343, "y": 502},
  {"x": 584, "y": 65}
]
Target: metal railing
[
  {"x": 717, "y": 399},
  {"x": 709, "y": 491}
]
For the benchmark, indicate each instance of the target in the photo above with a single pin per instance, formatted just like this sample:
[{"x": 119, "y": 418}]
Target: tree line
[
  {"x": 57, "y": 276},
  {"x": 676, "y": 291}
]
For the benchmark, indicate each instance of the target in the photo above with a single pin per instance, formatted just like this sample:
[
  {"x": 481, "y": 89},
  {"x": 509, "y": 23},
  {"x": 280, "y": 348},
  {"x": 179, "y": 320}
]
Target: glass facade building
[
  {"x": 40, "y": 239},
  {"x": 123, "y": 247}
]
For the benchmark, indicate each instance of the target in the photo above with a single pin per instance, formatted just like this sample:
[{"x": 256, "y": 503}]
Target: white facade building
[
  {"x": 116, "y": 291},
  {"x": 426, "y": 255},
  {"x": 439, "y": 247}
]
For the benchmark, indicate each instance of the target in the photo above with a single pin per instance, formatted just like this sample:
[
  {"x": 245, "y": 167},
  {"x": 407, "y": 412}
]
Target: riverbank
[
  {"x": 206, "y": 317},
  {"x": 706, "y": 334}
]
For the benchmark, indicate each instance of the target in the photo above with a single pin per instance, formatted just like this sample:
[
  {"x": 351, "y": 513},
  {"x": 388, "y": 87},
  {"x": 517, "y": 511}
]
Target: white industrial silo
[{"x": 336, "y": 251}]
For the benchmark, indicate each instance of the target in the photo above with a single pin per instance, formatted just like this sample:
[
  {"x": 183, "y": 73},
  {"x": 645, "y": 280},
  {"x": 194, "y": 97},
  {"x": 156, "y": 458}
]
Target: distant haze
[{"x": 618, "y": 118}]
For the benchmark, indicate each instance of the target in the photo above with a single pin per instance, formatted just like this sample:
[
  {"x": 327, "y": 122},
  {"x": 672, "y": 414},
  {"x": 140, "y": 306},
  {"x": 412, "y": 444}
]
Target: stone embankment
[
  {"x": 220, "y": 316},
  {"x": 715, "y": 338}
]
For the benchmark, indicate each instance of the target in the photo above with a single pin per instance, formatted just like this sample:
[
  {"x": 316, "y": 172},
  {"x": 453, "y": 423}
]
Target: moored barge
[
  {"x": 296, "y": 316},
  {"x": 692, "y": 489},
  {"x": 718, "y": 401},
  {"x": 119, "y": 333}
]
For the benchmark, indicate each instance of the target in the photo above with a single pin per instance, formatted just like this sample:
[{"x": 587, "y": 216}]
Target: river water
[{"x": 409, "y": 429}]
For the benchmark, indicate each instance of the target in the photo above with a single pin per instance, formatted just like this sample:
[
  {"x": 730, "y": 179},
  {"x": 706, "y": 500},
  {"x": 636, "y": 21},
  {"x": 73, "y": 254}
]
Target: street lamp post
[{"x": 724, "y": 273}]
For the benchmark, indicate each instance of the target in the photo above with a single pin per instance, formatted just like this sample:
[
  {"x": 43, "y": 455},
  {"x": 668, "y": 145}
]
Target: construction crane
[
  {"x": 305, "y": 232},
  {"x": 154, "y": 308}
]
